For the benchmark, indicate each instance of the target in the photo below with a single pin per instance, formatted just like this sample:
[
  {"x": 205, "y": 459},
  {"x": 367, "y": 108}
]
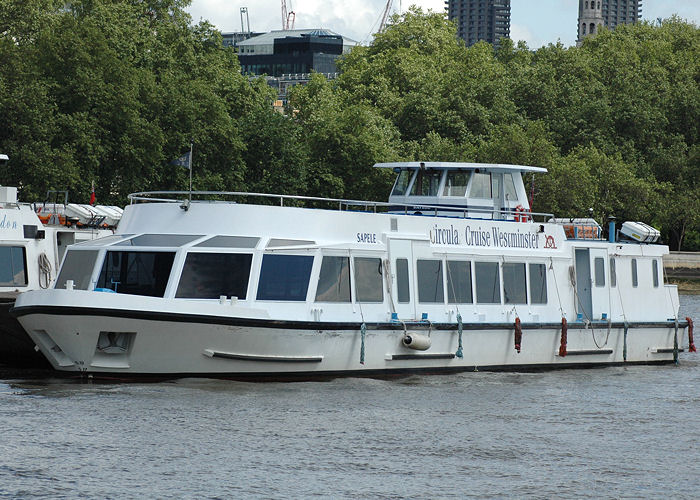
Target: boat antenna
[{"x": 191, "y": 146}]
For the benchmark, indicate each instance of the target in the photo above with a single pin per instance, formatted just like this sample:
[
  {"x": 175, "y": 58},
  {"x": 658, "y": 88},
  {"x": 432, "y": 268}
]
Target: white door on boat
[
  {"x": 600, "y": 290},
  {"x": 401, "y": 257},
  {"x": 584, "y": 306}
]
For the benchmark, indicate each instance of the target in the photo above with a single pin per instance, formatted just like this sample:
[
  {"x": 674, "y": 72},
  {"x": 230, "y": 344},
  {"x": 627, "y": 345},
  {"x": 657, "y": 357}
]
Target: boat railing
[{"x": 183, "y": 197}]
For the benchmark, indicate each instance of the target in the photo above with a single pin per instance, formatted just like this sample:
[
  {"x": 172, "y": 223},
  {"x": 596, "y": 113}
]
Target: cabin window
[
  {"x": 509, "y": 184},
  {"x": 211, "y": 275},
  {"x": 456, "y": 183},
  {"x": 284, "y": 277},
  {"x": 488, "y": 283},
  {"x": 13, "y": 266},
  {"x": 613, "y": 273},
  {"x": 514, "y": 284},
  {"x": 77, "y": 266},
  {"x": 136, "y": 273},
  {"x": 402, "y": 281},
  {"x": 538, "y": 284},
  {"x": 160, "y": 240},
  {"x": 334, "y": 280},
  {"x": 599, "y": 266},
  {"x": 481, "y": 185},
  {"x": 402, "y": 182},
  {"x": 635, "y": 282},
  {"x": 368, "y": 279},
  {"x": 427, "y": 183},
  {"x": 430, "y": 288},
  {"x": 459, "y": 282},
  {"x": 655, "y": 272},
  {"x": 230, "y": 242}
]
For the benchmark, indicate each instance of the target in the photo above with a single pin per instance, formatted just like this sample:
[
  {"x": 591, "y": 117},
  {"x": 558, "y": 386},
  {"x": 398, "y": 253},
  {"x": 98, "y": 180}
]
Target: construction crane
[{"x": 288, "y": 17}]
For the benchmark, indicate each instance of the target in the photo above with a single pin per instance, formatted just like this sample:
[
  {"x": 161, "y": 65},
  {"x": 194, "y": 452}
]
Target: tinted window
[
  {"x": 402, "y": 281},
  {"x": 599, "y": 264},
  {"x": 459, "y": 282},
  {"x": 230, "y": 242},
  {"x": 136, "y": 273},
  {"x": 456, "y": 183},
  {"x": 430, "y": 281},
  {"x": 368, "y": 279},
  {"x": 514, "y": 288},
  {"x": 160, "y": 240},
  {"x": 613, "y": 272},
  {"x": 481, "y": 186},
  {"x": 13, "y": 266},
  {"x": 284, "y": 277},
  {"x": 509, "y": 186},
  {"x": 334, "y": 280},
  {"x": 77, "y": 266},
  {"x": 211, "y": 275},
  {"x": 488, "y": 287},
  {"x": 538, "y": 284},
  {"x": 427, "y": 183},
  {"x": 402, "y": 182},
  {"x": 635, "y": 282},
  {"x": 655, "y": 272}
]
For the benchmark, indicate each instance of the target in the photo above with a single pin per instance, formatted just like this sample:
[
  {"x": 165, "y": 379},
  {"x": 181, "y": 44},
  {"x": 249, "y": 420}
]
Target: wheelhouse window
[
  {"x": 368, "y": 279},
  {"x": 77, "y": 266},
  {"x": 456, "y": 183},
  {"x": 427, "y": 183},
  {"x": 334, "y": 280},
  {"x": 284, "y": 277},
  {"x": 488, "y": 286},
  {"x": 159, "y": 240},
  {"x": 538, "y": 283},
  {"x": 514, "y": 286},
  {"x": 481, "y": 185},
  {"x": 402, "y": 283},
  {"x": 509, "y": 185},
  {"x": 211, "y": 275},
  {"x": 136, "y": 273},
  {"x": 13, "y": 266},
  {"x": 430, "y": 287},
  {"x": 459, "y": 282},
  {"x": 402, "y": 182}
]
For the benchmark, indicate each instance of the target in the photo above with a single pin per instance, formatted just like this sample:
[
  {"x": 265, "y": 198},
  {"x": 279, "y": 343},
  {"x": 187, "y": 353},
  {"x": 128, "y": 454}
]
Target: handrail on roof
[{"x": 448, "y": 165}]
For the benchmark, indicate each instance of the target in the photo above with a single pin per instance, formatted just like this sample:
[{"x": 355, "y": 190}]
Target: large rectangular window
[
  {"x": 136, "y": 273},
  {"x": 599, "y": 265},
  {"x": 538, "y": 284},
  {"x": 456, "y": 183},
  {"x": 13, "y": 266},
  {"x": 459, "y": 282},
  {"x": 334, "y": 280},
  {"x": 284, "y": 277},
  {"x": 488, "y": 283},
  {"x": 481, "y": 186},
  {"x": 427, "y": 183},
  {"x": 77, "y": 266},
  {"x": 211, "y": 275},
  {"x": 368, "y": 279},
  {"x": 514, "y": 285},
  {"x": 402, "y": 283},
  {"x": 430, "y": 287}
]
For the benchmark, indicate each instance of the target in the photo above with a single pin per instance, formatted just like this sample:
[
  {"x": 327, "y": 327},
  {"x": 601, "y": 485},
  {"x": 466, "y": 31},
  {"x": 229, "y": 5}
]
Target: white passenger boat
[
  {"x": 454, "y": 273},
  {"x": 33, "y": 240}
]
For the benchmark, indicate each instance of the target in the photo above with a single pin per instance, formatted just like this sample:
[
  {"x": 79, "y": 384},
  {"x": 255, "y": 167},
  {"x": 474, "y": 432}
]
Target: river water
[{"x": 622, "y": 432}]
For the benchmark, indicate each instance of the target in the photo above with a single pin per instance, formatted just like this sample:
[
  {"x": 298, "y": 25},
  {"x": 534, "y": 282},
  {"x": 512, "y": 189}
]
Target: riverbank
[{"x": 683, "y": 269}]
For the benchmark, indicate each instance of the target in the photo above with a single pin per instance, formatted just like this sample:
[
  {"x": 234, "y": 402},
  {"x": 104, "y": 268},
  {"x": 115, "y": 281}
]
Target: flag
[
  {"x": 92, "y": 195},
  {"x": 183, "y": 161}
]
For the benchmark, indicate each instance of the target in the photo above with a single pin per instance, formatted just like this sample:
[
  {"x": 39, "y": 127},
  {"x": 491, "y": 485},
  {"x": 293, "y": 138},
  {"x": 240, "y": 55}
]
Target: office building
[{"x": 477, "y": 20}]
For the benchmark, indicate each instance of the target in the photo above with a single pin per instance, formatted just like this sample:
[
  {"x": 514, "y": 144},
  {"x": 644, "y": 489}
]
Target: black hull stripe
[{"x": 311, "y": 325}]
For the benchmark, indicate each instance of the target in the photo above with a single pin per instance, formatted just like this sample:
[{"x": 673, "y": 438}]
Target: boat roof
[{"x": 446, "y": 165}]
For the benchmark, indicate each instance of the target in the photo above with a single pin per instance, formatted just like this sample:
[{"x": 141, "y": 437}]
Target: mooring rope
[
  {"x": 363, "y": 331},
  {"x": 675, "y": 342},
  {"x": 459, "y": 352},
  {"x": 624, "y": 345}
]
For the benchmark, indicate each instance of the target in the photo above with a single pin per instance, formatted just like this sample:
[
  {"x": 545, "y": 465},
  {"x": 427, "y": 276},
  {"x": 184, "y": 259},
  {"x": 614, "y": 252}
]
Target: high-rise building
[
  {"x": 593, "y": 14},
  {"x": 476, "y": 20}
]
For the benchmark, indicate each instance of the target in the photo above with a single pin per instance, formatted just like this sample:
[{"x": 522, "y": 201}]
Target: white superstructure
[{"x": 452, "y": 274}]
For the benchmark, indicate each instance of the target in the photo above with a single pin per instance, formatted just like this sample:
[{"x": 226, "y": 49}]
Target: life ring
[{"x": 521, "y": 214}]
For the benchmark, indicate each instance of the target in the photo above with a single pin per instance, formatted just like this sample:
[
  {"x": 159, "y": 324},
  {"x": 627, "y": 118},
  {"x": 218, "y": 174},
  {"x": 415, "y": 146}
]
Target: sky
[{"x": 537, "y": 22}]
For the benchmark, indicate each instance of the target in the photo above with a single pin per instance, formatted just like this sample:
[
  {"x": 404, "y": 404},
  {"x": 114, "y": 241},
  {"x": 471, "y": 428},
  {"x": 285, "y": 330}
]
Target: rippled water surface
[{"x": 626, "y": 432}]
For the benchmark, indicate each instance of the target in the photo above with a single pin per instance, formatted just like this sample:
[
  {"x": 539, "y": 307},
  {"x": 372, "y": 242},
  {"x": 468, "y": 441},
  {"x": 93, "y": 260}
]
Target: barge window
[
  {"x": 655, "y": 272},
  {"x": 481, "y": 185},
  {"x": 368, "y": 279},
  {"x": 402, "y": 182},
  {"x": 136, "y": 273},
  {"x": 613, "y": 273},
  {"x": 635, "y": 282},
  {"x": 509, "y": 184},
  {"x": 430, "y": 288},
  {"x": 13, "y": 267},
  {"x": 77, "y": 266},
  {"x": 599, "y": 264},
  {"x": 538, "y": 284},
  {"x": 402, "y": 281},
  {"x": 459, "y": 282},
  {"x": 160, "y": 240},
  {"x": 488, "y": 287},
  {"x": 284, "y": 277},
  {"x": 427, "y": 183},
  {"x": 514, "y": 285},
  {"x": 230, "y": 242},
  {"x": 211, "y": 275},
  {"x": 334, "y": 280},
  {"x": 456, "y": 183}
]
